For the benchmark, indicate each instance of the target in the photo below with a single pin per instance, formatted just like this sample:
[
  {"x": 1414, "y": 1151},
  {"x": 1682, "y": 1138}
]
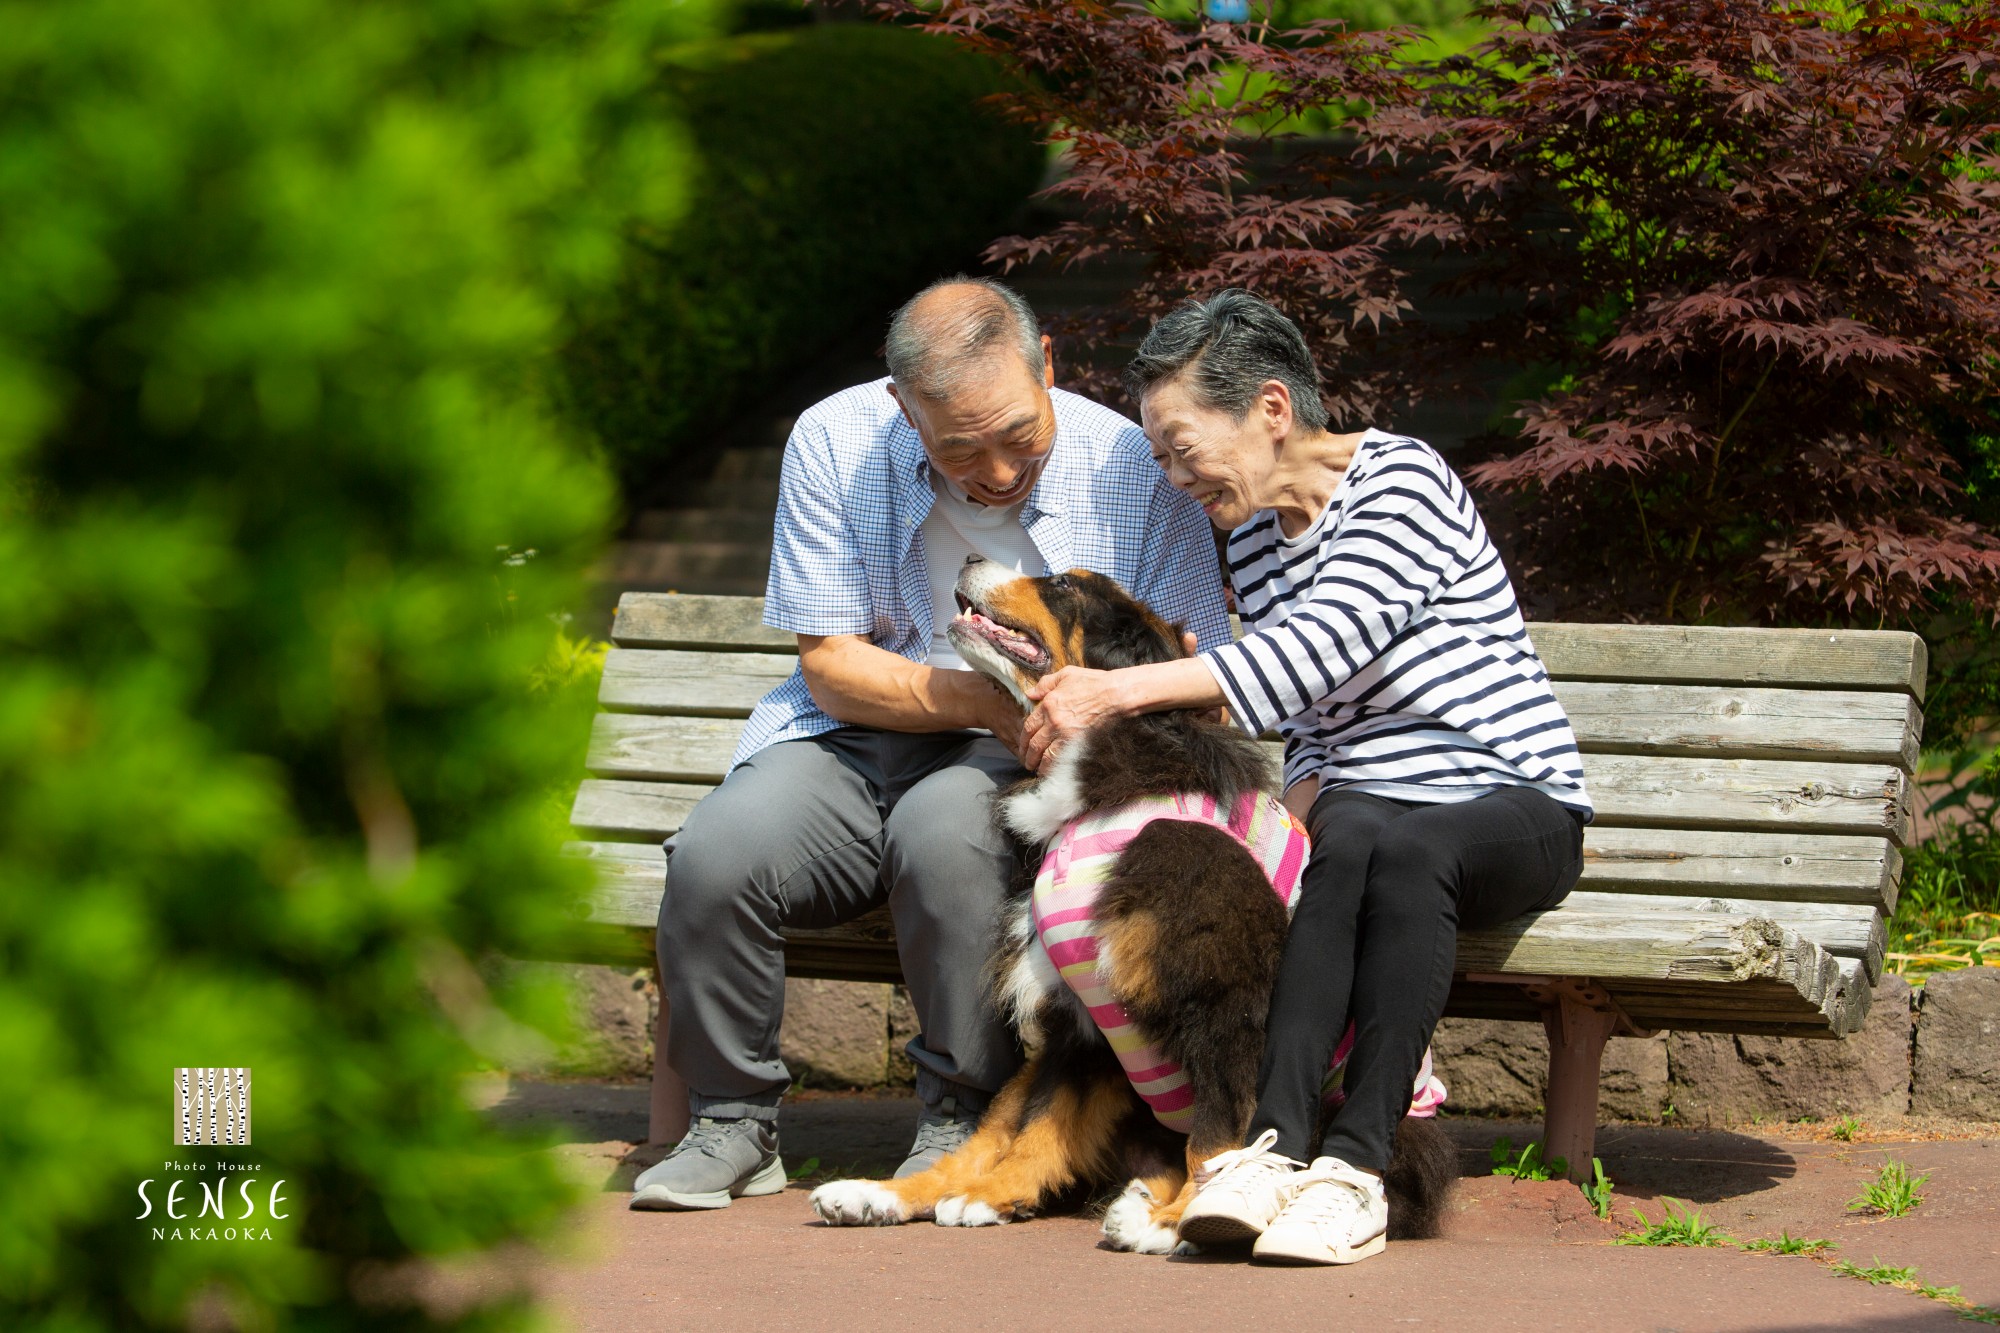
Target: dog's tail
[{"x": 1423, "y": 1168}]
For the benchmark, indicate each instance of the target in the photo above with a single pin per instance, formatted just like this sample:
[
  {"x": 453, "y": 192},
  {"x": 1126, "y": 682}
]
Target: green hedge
[
  {"x": 840, "y": 166},
  {"x": 271, "y": 769}
]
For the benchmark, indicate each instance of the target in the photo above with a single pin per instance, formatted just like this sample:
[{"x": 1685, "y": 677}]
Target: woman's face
[{"x": 1222, "y": 462}]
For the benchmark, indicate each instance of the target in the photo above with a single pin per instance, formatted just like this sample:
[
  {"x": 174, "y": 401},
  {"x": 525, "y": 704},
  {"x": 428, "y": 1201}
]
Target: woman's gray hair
[
  {"x": 1224, "y": 349},
  {"x": 933, "y": 343}
]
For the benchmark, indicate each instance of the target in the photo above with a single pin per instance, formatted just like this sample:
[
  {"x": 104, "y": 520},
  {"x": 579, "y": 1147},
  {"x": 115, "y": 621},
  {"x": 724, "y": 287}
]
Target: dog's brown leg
[
  {"x": 1071, "y": 1138},
  {"x": 1168, "y": 1214},
  {"x": 888, "y": 1202}
]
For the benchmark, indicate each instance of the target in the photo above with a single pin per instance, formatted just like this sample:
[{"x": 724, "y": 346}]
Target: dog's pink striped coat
[{"x": 1064, "y": 908}]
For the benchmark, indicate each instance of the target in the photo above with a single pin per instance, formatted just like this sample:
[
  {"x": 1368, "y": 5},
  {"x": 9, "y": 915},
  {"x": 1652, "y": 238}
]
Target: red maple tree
[
  {"x": 1149, "y": 115},
  {"x": 1746, "y": 258},
  {"x": 1755, "y": 249}
]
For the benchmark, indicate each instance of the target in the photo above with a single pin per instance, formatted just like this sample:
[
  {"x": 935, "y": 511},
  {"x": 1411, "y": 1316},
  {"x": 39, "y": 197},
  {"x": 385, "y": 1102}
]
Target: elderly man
[{"x": 864, "y": 778}]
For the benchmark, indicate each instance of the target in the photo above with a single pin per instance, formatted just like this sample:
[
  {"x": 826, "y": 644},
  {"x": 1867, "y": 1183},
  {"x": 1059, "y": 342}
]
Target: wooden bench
[{"x": 1752, "y": 789}]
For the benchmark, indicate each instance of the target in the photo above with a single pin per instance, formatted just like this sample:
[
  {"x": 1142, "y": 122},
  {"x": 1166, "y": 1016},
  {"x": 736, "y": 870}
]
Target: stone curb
[{"x": 1932, "y": 1051}]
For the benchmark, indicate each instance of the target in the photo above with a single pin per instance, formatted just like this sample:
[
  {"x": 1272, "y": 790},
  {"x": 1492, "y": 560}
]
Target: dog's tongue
[{"x": 991, "y": 625}]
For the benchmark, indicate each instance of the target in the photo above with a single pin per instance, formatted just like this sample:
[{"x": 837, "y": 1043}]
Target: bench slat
[
  {"x": 1697, "y": 721},
  {"x": 1750, "y": 794},
  {"x": 1844, "y": 930},
  {"x": 699, "y": 684},
  {"x": 1612, "y": 717},
  {"x": 691, "y": 620},
  {"x": 666, "y": 749},
  {"x": 1767, "y": 867},
  {"x": 638, "y": 811},
  {"x": 1761, "y": 1008},
  {"x": 1777, "y": 867},
  {"x": 1707, "y": 654},
  {"x": 1659, "y": 654},
  {"x": 1627, "y": 950},
  {"x": 1636, "y": 790}
]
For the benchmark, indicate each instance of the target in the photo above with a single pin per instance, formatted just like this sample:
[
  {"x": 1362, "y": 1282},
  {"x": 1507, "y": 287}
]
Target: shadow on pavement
[{"x": 1648, "y": 1161}]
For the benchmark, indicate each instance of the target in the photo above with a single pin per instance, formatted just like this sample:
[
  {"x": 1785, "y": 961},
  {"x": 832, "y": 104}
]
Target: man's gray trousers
[{"x": 811, "y": 833}]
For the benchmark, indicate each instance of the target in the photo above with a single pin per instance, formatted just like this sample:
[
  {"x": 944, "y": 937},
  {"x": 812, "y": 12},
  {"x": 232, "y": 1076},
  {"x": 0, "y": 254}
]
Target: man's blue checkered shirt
[{"x": 847, "y": 554}]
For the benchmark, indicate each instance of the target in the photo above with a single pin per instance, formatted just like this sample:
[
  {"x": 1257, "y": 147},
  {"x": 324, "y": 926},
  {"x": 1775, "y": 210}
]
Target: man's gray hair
[
  {"x": 1224, "y": 349},
  {"x": 930, "y": 351}
]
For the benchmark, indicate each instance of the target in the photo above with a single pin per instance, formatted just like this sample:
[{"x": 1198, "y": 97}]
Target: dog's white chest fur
[{"x": 1038, "y": 815}]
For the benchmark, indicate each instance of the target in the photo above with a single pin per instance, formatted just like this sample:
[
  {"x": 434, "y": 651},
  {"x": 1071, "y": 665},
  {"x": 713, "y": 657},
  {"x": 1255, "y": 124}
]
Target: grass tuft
[
  {"x": 1892, "y": 1193},
  {"x": 1677, "y": 1226},
  {"x": 1527, "y": 1164},
  {"x": 1597, "y": 1190},
  {"x": 1880, "y": 1274},
  {"x": 1787, "y": 1243}
]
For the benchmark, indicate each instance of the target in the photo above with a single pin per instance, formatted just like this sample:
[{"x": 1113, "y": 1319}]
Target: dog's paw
[
  {"x": 959, "y": 1211},
  {"x": 1129, "y": 1225},
  {"x": 857, "y": 1203},
  {"x": 1187, "y": 1249}
]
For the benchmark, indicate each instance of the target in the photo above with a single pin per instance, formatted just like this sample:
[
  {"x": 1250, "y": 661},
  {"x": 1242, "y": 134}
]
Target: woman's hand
[
  {"x": 1075, "y": 699},
  {"x": 1068, "y": 701}
]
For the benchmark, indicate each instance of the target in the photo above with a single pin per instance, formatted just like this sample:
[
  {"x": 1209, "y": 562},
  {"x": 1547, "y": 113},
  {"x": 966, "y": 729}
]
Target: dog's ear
[
  {"x": 1177, "y": 631},
  {"x": 1133, "y": 636}
]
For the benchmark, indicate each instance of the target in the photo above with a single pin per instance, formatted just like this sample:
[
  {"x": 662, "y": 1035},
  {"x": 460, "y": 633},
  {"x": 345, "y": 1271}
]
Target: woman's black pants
[{"x": 1374, "y": 938}]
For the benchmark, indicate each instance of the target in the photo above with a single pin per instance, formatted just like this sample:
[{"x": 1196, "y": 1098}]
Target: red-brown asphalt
[{"x": 1527, "y": 1256}]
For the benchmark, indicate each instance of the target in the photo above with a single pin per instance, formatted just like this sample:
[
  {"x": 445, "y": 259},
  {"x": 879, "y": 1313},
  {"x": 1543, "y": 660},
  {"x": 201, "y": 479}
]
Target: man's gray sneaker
[
  {"x": 942, "y": 1131},
  {"x": 719, "y": 1160}
]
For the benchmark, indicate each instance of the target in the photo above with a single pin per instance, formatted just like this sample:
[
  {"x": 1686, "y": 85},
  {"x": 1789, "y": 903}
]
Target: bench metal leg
[
  {"x": 1577, "y": 1032},
  {"x": 668, "y": 1120}
]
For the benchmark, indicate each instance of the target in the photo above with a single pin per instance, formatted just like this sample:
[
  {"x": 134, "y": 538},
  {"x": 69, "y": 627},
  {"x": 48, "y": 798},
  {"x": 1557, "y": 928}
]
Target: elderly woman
[{"x": 1424, "y": 748}]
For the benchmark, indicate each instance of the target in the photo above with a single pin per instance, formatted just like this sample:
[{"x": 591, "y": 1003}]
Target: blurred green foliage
[
  {"x": 1962, "y": 705},
  {"x": 738, "y": 16},
  {"x": 1948, "y": 912},
  {"x": 274, "y": 281},
  {"x": 840, "y": 166}
]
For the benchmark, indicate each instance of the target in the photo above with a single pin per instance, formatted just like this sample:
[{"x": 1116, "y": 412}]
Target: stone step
[
  {"x": 717, "y": 567},
  {"x": 754, "y": 493},
  {"x": 754, "y": 463},
  {"x": 718, "y": 585},
  {"x": 703, "y": 525}
]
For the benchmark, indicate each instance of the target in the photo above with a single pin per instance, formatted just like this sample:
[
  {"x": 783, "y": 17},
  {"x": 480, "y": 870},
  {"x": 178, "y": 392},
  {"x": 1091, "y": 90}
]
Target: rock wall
[
  {"x": 1501, "y": 1069},
  {"x": 1958, "y": 1046},
  {"x": 1721, "y": 1079},
  {"x": 1934, "y": 1051}
]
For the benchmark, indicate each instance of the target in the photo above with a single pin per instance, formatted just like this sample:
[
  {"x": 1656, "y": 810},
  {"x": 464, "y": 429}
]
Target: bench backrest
[{"x": 1737, "y": 773}]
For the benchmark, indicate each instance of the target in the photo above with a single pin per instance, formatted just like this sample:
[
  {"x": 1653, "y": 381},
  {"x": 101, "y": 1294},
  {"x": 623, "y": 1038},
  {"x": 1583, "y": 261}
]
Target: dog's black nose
[{"x": 975, "y": 559}]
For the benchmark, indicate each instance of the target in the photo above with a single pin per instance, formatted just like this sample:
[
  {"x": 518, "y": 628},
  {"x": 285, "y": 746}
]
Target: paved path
[{"x": 1516, "y": 1255}]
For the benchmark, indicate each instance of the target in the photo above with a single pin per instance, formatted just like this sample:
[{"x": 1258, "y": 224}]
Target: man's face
[{"x": 993, "y": 435}]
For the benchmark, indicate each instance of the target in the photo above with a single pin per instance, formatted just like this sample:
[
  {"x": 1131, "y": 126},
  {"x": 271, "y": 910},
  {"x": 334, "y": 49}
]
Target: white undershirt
[{"x": 959, "y": 526}]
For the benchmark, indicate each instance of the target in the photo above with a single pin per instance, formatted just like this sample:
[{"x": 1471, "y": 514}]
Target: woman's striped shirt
[{"x": 1386, "y": 646}]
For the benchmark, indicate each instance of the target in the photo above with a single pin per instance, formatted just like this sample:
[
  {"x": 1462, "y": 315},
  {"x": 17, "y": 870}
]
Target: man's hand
[{"x": 1003, "y": 718}]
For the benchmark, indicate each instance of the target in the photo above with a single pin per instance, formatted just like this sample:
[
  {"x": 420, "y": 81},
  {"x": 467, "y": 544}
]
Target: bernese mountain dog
[{"x": 1187, "y": 934}]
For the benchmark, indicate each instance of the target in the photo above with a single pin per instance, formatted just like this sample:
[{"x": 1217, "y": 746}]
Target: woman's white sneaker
[
  {"x": 1240, "y": 1191},
  {"x": 1332, "y": 1214}
]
